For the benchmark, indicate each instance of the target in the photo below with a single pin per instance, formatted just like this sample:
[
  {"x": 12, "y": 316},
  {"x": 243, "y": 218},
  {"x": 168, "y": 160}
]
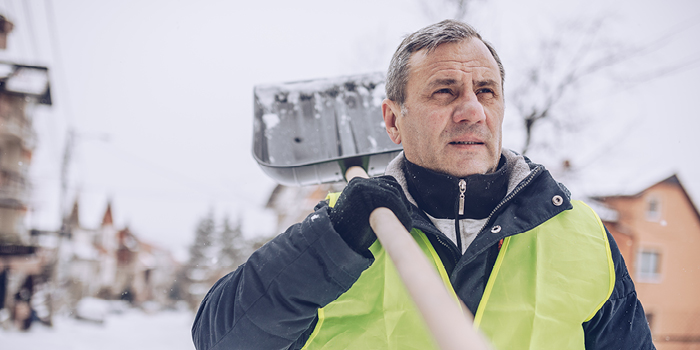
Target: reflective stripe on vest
[
  {"x": 547, "y": 282},
  {"x": 378, "y": 313}
]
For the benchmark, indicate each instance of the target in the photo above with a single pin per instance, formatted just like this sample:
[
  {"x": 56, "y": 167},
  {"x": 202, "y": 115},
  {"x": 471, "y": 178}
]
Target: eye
[
  {"x": 443, "y": 91},
  {"x": 484, "y": 91}
]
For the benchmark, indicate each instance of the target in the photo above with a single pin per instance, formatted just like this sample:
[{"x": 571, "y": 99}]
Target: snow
[
  {"x": 84, "y": 250},
  {"x": 28, "y": 81},
  {"x": 6, "y": 70},
  {"x": 133, "y": 329},
  {"x": 92, "y": 309},
  {"x": 271, "y": 120},
  {"x": 266, "y": 92}
]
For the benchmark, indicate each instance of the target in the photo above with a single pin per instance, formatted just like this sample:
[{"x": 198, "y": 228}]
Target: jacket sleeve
[
  {"x": 272, "y": 299},
  {"x": 621, "y": 322}
]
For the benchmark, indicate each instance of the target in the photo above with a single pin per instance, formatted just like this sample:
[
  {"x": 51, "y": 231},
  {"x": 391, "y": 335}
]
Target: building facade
[
  {"x": 111, "y": 263},
  {"x": 658, "y": 232},
  {"x": 22, "y": 89}
]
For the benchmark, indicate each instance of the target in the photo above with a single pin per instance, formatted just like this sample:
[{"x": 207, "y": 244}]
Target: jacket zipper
[
  {"x": 505, "y": 200},
  {"x": 460, "y": 211},
  {"x": 450, "y": 246},
  {"x": 510, "y": 196},
  {"x": 462, "y": 189},
  {"x": 454, "y": 258}
]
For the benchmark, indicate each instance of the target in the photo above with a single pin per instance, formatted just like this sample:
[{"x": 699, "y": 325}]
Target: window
[
  {"x": 653, "y": 209},
  {"x": 648, "y": 266}
]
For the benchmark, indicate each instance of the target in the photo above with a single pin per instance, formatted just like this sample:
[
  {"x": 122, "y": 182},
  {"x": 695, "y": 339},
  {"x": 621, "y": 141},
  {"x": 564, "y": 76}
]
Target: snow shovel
[{"x": 328, "y": 130}]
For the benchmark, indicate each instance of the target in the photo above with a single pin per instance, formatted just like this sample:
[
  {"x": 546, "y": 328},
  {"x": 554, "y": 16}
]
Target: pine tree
[
  {"x": 202, "y": 248},
  {"x": 200, "y": 271},
  {"x": 234, "y": 248}
]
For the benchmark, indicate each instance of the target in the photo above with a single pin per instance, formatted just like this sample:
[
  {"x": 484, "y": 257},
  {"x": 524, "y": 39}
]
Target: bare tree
[
  {"x": 581, "y": 58},
  {"x": 455, "y": 9},
  {"x": 578, "y": 57},
  {"x": 575, "y": 54}
]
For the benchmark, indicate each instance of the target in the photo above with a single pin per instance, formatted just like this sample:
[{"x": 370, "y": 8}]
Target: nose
[{"x": 468, "y": 109}]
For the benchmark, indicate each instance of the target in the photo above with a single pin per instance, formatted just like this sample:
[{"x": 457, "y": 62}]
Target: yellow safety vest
[{"x": 545, "y": 283}]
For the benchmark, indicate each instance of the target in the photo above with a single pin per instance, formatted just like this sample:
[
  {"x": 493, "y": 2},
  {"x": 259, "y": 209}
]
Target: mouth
[{"x": 466, "y": 143}]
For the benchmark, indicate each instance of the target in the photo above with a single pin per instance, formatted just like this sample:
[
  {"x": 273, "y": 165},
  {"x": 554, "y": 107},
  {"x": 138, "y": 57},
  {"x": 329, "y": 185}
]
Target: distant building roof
[
  {"x": 74, "y": 218},
  {"x": 673, "y": 179},
  {"x": 107, "y": 218}
]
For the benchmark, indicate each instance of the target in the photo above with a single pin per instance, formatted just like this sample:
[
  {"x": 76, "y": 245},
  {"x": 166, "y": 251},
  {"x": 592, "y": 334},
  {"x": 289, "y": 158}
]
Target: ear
[{"x": 391, "y": 111}]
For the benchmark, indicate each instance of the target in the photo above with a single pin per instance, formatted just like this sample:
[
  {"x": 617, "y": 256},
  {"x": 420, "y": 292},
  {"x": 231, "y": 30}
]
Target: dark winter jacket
[{"x": 271, "y": 301}]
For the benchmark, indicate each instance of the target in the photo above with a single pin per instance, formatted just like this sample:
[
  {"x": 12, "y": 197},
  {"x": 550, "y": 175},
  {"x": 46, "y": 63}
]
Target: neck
[{"x": 438, "y": 194}]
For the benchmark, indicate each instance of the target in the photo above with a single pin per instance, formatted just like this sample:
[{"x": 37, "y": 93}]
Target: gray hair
[{"x": 429, "y": 38}]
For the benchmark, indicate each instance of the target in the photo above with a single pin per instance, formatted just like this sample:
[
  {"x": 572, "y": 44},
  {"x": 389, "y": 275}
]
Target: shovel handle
[{"x": 451, "y": 327}]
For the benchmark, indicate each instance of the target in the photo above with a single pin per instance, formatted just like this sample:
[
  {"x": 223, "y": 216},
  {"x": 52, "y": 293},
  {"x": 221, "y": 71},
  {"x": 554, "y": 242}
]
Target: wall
[{"x": 672, "y": 298}]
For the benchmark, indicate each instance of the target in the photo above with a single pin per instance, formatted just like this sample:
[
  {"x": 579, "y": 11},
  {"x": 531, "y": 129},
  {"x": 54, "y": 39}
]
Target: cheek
[
  {"x": 495, "y": 123},
  {"x": 411, "y": 135},
  {"x": 421, "y": 126}
]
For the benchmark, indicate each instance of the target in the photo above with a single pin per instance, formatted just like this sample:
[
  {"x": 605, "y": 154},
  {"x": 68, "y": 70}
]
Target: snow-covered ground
[{"x": 130, "y": 330}]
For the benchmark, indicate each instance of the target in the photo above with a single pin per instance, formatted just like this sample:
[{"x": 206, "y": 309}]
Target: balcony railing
[
  {"x": 18, "y": 128},
  {"x": 13, "y": 185}
]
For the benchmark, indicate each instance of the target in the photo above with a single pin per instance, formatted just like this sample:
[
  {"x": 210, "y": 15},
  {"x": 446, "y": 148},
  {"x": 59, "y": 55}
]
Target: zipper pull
[{"x": 462, "y": 189}]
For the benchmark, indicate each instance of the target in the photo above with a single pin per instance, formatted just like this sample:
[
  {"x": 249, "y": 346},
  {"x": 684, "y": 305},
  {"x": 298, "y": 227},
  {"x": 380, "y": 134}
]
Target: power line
[
  {"x": 58, "y": 66},
  {"x": 30, "y": 29},
  {"x": 68, "y": 113}
]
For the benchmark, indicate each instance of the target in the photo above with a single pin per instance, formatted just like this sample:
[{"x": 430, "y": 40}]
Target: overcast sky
[{"x": 159, "y": 94}]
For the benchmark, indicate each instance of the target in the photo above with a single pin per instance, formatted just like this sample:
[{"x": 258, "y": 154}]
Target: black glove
[{"x": 350, "y": 215}]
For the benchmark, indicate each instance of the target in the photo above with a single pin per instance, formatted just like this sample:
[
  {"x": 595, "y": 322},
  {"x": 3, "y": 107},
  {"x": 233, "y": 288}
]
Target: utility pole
[
  {"x": 63, "y": 231},
  {"x": 65, "y": 164}
]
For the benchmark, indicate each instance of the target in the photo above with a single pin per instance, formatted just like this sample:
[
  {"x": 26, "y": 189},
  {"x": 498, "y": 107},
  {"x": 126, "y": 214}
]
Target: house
[
  {"x": 293, "y": 204},
  {"x": 112, "y": 263},
  {"x": 658, "y": 232},
  {"x": 144, "y": 272}
]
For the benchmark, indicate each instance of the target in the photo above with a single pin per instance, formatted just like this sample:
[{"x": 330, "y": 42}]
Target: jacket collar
[
  {"x": 519, "y": 168},
  {"x": 529, "y": 183},
  {"x": 448, "y": 197}
]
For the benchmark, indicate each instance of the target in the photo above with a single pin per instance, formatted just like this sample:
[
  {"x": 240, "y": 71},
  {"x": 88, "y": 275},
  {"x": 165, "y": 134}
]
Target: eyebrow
[
  {"x": 443, "y": 82},
  {"x": 451, "y": 82},
  {"x": 487, "y": 82}
]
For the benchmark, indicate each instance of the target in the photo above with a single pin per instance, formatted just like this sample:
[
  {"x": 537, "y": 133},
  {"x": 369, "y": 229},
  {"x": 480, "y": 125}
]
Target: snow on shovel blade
[{"x": 303, "y": 131}]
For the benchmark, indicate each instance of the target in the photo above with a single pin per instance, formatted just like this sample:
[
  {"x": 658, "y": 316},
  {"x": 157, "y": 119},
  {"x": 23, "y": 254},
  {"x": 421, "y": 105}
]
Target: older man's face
[{"x": 454, "y": 110}]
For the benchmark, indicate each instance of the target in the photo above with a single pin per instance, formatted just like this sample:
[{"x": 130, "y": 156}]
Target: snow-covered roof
[
  {"x": 631, "y": 191},
  {"x": 85, "y": 251},
  {"x": 26, "y": 80},
  {"x": 605, "y": 213}
]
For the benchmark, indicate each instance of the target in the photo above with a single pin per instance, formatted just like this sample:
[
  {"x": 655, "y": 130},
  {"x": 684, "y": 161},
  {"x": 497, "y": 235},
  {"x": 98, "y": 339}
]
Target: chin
[
  {"x": 471, "y": 169},
  {"x": 460, "y": 173}
]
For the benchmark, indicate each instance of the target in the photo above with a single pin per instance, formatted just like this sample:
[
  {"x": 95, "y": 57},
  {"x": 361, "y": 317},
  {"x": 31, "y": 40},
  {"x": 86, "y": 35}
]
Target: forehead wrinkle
[
  {"x": 481, "y": 68},
  {"x": 472, "y": 67}
]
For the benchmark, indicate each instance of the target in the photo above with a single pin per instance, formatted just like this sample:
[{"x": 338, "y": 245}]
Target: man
[{"x": 538, "y": 270}]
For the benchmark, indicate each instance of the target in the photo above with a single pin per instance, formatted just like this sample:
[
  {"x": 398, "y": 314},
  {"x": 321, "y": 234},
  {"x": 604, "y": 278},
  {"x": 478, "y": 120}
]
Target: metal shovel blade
[{"x": 303, "y": 131}]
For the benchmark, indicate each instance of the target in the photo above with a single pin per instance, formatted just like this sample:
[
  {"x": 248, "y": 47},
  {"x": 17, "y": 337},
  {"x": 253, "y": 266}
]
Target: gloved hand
[{"x": 350, "y": 215}]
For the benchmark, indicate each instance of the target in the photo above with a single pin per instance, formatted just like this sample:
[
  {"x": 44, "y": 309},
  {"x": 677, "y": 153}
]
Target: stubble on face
[{"x": 451, "y": 119}]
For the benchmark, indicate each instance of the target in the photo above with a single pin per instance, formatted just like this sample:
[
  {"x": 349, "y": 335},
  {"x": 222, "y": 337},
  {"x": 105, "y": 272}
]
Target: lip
[{"x": 467, "y": 141}]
